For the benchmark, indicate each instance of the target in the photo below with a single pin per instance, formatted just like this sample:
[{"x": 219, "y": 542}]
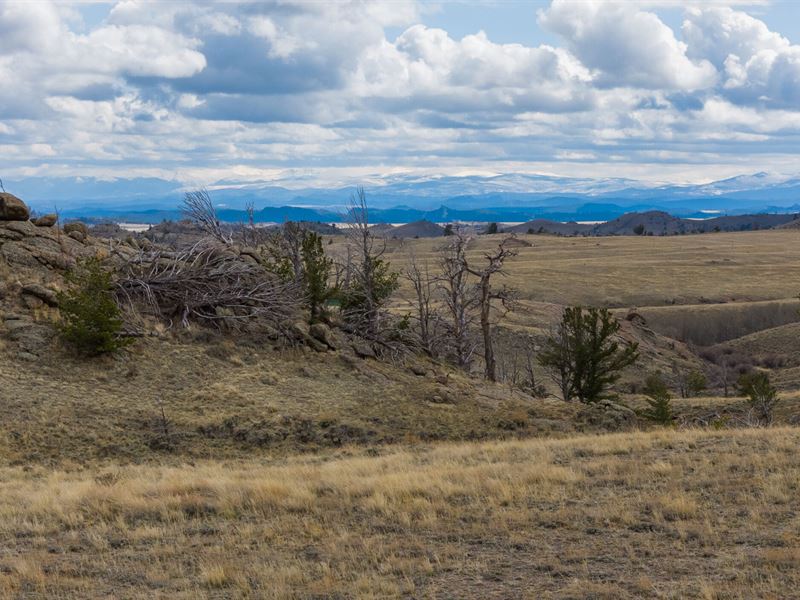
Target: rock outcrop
[
  {"x": 12, "y": 208},
  {"x": 608, "y": 415}
]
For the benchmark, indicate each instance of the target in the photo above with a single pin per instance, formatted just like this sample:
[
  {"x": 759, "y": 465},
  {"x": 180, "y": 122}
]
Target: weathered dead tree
[
  {"x": 460, "y": 297},
  {"x": 248, "y": 232},
  {"x": 369, "y": 280},
  {"x": 198, "y": 208},
  {"x": 207, "y": 283},
  {"x": 427, "y": 317},
  {"x": 486, "y": 294},
  {"x": 284, "y": 251}
]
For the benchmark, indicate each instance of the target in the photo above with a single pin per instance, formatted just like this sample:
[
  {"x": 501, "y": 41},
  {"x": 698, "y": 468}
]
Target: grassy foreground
[{"x": 665, "y": 514}]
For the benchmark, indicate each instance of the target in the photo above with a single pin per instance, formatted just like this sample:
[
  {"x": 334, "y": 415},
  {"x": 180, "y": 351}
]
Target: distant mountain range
[
  {"x": 660, "y": 223},
  {"x": 403, "y": 198}
]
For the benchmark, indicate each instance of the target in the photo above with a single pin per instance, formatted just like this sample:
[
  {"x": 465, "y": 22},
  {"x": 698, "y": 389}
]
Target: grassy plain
[
  {"x": 630, "y": 271},
  {"x": 665, "y": 514}
]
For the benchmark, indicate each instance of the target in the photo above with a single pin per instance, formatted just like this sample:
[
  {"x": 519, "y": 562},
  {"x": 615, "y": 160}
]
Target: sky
[{"x": 337, "y": 92}]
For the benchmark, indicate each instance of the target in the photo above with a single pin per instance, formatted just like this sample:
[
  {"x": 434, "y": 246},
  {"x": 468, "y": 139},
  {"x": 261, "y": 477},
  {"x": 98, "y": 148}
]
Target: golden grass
[
  {"x": 663, "y": 514},
  {"x": 643, "y": 271}
]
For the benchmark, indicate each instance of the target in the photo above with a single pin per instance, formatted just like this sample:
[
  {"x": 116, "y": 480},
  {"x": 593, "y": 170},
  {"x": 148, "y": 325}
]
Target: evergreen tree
[
  {"x": 659, "y": 401},
  {"x": 583, "y": 356},
  {"x": 762, "y": 396},
  {"x": 91, "y": 318},
  {"x": 316, "y": 274}
]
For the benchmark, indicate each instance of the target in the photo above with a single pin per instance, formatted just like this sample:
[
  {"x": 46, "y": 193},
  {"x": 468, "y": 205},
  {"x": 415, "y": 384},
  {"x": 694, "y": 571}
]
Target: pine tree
[
  {"x": 583, "y": 356},
  {"x": 91, "y": 318},
  {"x": 659, "y": 401},
  {"x": 316, "y": 274}
]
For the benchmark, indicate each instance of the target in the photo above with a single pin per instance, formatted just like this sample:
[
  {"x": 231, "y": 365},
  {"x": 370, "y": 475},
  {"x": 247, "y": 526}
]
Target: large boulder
[
  {"x": 12, "y": 208},
  {"x": 76, "y": 226},
  {"x": 46, "y": 220}
]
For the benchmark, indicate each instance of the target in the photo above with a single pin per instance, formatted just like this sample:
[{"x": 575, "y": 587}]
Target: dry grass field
[
  {"x": 630, "y": 271},
  {"x": 666, "y": 514},
  {"x": 287, "y": 473}
]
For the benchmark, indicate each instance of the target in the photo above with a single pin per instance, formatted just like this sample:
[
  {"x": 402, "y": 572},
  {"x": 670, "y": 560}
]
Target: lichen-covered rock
[
  {"x": 324, "y": 334},
  {"x": 76, "y": 226},
  {"x": 44, "y": 294},
  {"x": 46, "y": 220},
  {"x": 608, "y": 415},
  {"x": 12, "y": 208}
]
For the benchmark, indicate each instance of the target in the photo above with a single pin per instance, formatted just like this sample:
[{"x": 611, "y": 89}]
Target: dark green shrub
[
  {"x": 317, "y": 272},
  {"x": 659, "y": 402},
  {"x": 695, "y": 383},
  {"x": 382, "y": 284},
  {"x": 761, "y": 396},
  {"x": 91, "y": 319},
  {"x": 584, "y": 357}
]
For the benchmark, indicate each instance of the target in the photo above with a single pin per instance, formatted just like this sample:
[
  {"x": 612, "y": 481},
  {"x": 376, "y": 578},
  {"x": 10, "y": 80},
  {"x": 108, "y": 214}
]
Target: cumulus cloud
[
  {"x": 758, "y": 65},
  {"x": 626, "y": 46},
  {"x": 269, "y": 86},
  {"x": 425, "y": 69}
]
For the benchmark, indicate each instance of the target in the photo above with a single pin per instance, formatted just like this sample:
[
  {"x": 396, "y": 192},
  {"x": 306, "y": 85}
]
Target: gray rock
[
  {"x": 418, "y": 370},
  {"x": 363, "y": 349},
  {"x": 17, "y": 255},
  {"x": 77, "y": 236},
  {"x": 302, "y": 333},
  {"x": 34, "y": 252},
  {"x": 299, "y": 329},
  {"x": 47, "y": 220},
  {"x": 324, "y": 334},
  {"x": 76, "y": 226},
  {"x": 44, "y": 294},
  {"x": 12, "y": 208},
  {"x": 30, "y": 337}
]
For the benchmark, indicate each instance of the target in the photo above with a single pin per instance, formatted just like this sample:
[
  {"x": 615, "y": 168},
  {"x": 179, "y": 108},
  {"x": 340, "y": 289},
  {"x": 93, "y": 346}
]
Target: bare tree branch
[
  {"x": 206, "y": 283},
  {"x": 198, "y": 208}
]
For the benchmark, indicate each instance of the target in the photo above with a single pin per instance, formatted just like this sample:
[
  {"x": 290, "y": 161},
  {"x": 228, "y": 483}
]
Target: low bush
[
  {"x": 761, "y": 396},
  {"x": 91, "y": 319},
  {"x": 659, "y": 401}
]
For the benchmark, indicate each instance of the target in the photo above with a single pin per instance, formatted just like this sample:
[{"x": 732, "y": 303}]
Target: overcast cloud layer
[{"x": 203, "y": 91}]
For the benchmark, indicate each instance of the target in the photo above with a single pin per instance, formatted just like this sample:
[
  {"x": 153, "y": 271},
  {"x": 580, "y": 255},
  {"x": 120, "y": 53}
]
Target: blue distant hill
[{"x": 403, "y": 199}]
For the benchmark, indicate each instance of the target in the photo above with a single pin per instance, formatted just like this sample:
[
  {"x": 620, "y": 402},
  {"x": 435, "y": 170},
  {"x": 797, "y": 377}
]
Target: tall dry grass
[{"x": 660, "y": 514}]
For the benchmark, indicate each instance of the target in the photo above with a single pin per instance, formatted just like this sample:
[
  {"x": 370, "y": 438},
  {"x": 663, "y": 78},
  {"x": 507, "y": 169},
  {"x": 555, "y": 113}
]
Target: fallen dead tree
[{"x": 206, "y": 283}]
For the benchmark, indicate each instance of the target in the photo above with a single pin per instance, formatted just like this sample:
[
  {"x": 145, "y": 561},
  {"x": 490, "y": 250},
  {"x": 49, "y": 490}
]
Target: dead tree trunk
[
  {"x": 460, "y": 298},
  {"x": 486, "y": 295},
  {"x": 427, "y": 316}
]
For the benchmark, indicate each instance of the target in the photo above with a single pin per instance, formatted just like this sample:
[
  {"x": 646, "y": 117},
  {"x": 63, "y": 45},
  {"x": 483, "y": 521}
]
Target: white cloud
[
  {"x": 426, "y": 69},
  {"x": 254, "y": 87},
  {"x": 759, "y": 65},
  {"x": 626, "y": 46}
]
